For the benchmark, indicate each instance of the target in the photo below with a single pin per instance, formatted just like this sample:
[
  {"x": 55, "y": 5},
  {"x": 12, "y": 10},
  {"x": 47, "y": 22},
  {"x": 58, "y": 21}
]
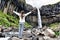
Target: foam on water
[{"x": 4, "y": 38}]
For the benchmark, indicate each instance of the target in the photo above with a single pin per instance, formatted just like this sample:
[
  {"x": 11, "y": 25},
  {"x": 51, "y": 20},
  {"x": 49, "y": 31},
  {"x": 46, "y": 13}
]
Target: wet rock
[
  {"x": 36, "y": 32},
  {"x": 1, "y": 34},
  {"x": 27, "y": 33},
  {"x": 44, "y": 28},
  {"x": 9, "y": 28},
  {"x": 14, "y": 29},
  {"x": 27, "y": 38},
  {"x": 28, "y": 7},
  {"x": 6, "y": 30},
  {"x": 35, "y": 38},
  {"x": 14, "y": 38},
  {"x": 1, "y": 29},
  {"x": 50, "y": 20},
  {"x": 41, "y": 38},
  {"x": 44, "y": 20},
  {"x": 49, "y": 32},
  {"x": 46, "y": 38}
]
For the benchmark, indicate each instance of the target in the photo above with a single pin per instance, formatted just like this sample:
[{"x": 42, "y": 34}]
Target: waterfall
[
  {"x": 39, "y": 19},
  {"x": 38, "y": 4},
  {"x": 33, "y": 3}
]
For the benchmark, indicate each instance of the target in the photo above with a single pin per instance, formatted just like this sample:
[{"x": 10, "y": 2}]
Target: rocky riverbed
[{"x": 28, "y": 34}]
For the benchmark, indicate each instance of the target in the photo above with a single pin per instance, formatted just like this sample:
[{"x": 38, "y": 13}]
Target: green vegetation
[
  {"x": 57, "y": 33},
  {"x": 27, "y": 25},
  {"x": 9, "y": 20},
  {"x": 54, "y": 26}
]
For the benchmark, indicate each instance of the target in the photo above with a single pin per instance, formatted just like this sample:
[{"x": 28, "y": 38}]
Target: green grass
[
  {"x": 9, "y": 20},
  {"x": 57, "y": 33},
  {"x": 54, "y": 26}
]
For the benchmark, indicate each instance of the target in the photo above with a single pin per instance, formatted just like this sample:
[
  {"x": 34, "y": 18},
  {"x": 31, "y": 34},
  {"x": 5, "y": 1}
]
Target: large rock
[
  {"x": 14, "y": 38},
  {"x": 49, "y": 32},
  {"x": 46, "y": 38},
  {"x": 37, "y": 32},
  {"x": 27, "y": 33}
]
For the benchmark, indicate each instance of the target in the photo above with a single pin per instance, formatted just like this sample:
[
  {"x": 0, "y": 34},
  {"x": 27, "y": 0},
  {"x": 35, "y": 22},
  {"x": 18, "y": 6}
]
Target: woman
[{"x": 22, "y": 16}]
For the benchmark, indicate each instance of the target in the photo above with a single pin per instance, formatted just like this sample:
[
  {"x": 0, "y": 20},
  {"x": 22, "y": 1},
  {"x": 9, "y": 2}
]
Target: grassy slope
[
  {"x": 54, "y": 26},
  {"x": 9, "y": 20}
]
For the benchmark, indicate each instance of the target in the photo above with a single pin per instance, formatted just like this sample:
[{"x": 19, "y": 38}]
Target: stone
[
  {"x": 44, "y": 28},
  {"x": 35, "y": 32},
  {"x": 35, "y": 38},
  {"x": 41, "y": 38},
  {"x": 27, "y": 38},
  {"x": 50, "y": 20},
  {"x": 27, "y": 33},
  {"x": 45, "y": 20},
  {"x": 6, "y": 30},
  {"x": 5, "y": 10},
  {"x": 15, "y": 38},
  {"x": 46, "y": 38},
  {"x": 1, "y": 34},
  {"x": 49, "y": 32},
  {"x": 9, "y": 28},
  {"x": 1, "y": 30}
]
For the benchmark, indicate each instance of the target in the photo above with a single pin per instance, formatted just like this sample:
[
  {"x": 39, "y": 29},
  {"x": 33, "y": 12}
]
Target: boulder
[
  {"x": 49, "y": 32},
  {"x": 46, "y": 38},
  {"x": 15, "y": 38},
  {"x": 36, "y": 32},
  {"x": 27, "y": 38},
  {"x": 6, "y": 30},
  {"x": 27, "y": 33},
  {"x": 1, "y": 28},
  {"x": 35, "y": 38}
]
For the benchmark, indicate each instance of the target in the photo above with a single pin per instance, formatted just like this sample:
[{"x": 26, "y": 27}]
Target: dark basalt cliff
[{"x": 50, "y": 13}]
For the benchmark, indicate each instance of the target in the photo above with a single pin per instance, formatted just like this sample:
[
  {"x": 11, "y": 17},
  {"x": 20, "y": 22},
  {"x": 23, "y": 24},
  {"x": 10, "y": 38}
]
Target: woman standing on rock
[{"x": 22, "y": 16}]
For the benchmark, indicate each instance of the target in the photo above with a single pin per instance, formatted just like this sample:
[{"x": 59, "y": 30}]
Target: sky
[{"x": 39, "y": 3}]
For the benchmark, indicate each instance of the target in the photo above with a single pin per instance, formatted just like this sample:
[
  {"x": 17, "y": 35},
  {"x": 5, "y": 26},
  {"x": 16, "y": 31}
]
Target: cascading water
[
  {"x": 39, "y": 16},
  {"x": 39, "y": 19},
  {"x": 38, "y": 4}
]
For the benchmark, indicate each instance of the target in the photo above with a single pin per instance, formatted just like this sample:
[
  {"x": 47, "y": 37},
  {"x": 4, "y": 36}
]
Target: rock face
[
  {"x": 49, "y": 32},
  {"x": 50, "y": 13}
]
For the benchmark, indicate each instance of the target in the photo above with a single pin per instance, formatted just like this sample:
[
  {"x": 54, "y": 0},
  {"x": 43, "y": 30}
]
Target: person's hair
[{"x": 22, "y": 14}]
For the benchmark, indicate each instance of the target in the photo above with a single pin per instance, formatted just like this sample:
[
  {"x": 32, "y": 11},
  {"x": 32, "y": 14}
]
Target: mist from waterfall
[{"x": 40, "y": 3}]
